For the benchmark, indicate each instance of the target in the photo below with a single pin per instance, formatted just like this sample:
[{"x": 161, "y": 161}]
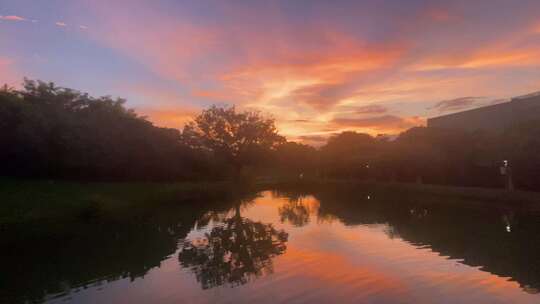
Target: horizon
[{"x": 318, "y": 68}]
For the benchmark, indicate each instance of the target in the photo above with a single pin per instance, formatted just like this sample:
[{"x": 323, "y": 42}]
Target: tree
[
  {"x": 520, "y": 144},
  {"x": 349, "y": 154},
  {"x": 51, "y": 132},
  {"x": 239, "y": 138},
  {"x": 295, "y": 158}
]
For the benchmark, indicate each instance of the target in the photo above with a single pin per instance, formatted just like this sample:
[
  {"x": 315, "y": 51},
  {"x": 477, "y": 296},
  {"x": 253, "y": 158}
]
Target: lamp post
[{"x": 506, "y": 171}]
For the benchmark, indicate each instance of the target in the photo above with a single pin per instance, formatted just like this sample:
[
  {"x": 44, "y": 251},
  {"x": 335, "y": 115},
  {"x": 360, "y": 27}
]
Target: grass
[
  {"x": 24, "y": 201},
  {"x": 458, "y": 195}
]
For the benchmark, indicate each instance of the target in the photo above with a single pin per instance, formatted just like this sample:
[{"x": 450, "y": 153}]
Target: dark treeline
[
  {"x": 52, "y": 132},
  {"x": 438, "y": 156}
]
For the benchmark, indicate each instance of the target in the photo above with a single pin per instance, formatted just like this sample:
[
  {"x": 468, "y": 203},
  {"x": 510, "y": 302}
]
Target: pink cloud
[
  {"x": 12, "y": 18},
  {"x": 62, "y": 24}
]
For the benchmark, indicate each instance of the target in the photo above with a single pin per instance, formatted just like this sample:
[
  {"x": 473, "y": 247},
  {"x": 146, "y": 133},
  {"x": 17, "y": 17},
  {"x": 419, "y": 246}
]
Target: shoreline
[{"x": 28, "y": 201}]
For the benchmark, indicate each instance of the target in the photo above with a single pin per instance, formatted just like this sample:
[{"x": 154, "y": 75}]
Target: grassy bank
[
  {"x": 444, "y": 194},
  {"x": 23, "y": 201}
]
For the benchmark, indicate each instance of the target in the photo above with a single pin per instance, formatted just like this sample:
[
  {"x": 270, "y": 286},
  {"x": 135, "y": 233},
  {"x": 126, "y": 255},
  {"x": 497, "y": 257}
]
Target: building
[{"x": 492, "y": 118}]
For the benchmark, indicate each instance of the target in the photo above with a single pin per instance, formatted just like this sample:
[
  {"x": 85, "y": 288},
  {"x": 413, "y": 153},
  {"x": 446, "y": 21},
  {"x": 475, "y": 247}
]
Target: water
[{"x": 294, "y": 247}]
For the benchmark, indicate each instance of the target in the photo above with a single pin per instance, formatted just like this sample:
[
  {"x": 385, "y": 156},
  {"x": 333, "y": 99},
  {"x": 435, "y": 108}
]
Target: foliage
[
  {"x": 52, "y": 132},
  {"x": 296, "y": 159},
  {"x": 349, "y": 154},
  {"x": 239, "y": 138},
  {"x": 521, "y": 146}
]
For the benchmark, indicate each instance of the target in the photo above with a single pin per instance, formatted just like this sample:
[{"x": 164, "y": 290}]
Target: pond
[{"x": 287, "y": 247}]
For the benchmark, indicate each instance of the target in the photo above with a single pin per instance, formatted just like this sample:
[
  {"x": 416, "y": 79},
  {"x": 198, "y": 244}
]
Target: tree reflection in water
[
  {"x": 294, "y": 212},
  {"x": 298, "y": 208},
  {"x": 233, "y": 252}
]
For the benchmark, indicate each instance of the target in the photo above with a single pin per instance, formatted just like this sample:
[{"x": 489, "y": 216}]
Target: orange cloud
[
  {"x": 164, "y": 107},
  {"x": 321, "y": 71},
  {"x": 213, "y": 95},
  {"x": 371, "y": 109},
  {"x": 62, "y": 24},
  {"x": 170, "y": 118},
  {"x": 384, "y": 123},
  {"x": 318, "y": 80}
]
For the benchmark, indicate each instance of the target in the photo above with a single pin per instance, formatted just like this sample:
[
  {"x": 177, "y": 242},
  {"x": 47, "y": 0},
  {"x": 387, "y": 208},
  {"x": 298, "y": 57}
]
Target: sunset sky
[{"x": 318, "y": 67}]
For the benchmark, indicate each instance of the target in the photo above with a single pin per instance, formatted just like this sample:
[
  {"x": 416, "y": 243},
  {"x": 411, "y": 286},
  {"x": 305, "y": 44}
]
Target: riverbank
[
  {"x": 27, "y": 201},
  {"x": 445, "y": 194}
]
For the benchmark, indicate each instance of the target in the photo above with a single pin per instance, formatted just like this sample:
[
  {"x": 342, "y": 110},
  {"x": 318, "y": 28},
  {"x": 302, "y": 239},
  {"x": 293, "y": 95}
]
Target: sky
[{"x": 317, "y": 67}]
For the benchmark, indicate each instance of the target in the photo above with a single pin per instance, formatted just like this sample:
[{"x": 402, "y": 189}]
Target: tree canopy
[
  {"x": 240, "y": 138},
  {"x": 53, "y": 132}
]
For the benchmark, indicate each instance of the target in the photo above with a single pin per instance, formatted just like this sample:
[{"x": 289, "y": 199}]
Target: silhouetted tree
[
  {"x": 446, "y": 156},
  {"x": 238, "y": 138},
  {"x": 294, "y": 159},
  {"x": 520, "y": 144},
  {"x": 52, "y": 132},
  {"x": 349, "y": 155}
]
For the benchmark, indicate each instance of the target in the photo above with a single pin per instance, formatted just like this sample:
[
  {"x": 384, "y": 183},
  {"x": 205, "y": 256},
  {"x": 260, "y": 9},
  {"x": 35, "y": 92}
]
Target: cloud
[
  {"x": 371, "y": 109},
  {"x": 12, "y": 18},
  {"x": 214, "y": 95},
  {"x": 163, "y": 105},
  {"x": 384, "y": 123},
  {"x": 319, "y": 80},
  {"x": 456, "y": 104},
  {"x": 313, "y": 140},
  {"x": 61, "y": 24},
  {"x": 83, "y": 27},
  {"x": 168, "y": 117},
  {"x": 329, "y": 62},
  {"x": 484, "y": 59}
]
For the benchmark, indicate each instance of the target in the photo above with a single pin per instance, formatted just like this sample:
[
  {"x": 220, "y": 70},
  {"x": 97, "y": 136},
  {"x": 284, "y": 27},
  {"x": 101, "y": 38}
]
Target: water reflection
[
  {"x": 236, "y": 250},
  {"x": 295, "y": 212},
  {"x": 355, "y": 245},
  {"x": 453, "y": 228}
]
